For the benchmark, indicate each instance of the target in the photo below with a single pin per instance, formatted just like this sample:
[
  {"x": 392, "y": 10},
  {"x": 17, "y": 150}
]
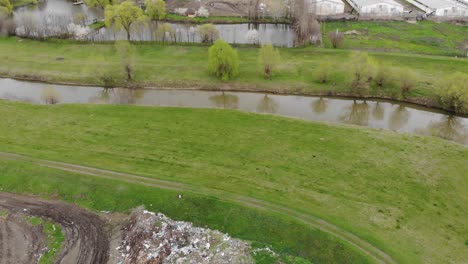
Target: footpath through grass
[
  {"x": 288, "y": 237},
  {"x": 405, "y": 194},
  {"x": 186, "y": 66}
]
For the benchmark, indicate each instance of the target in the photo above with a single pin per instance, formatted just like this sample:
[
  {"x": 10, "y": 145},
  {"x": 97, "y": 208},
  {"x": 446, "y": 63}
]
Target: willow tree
[
  {"x": 155, "y": 9},
  {"x": 123, "y": 16},
  {"x": 268, "y": 60},
  {"x": 98, "y": 3},
  {"x": 5, "y": 7},
  {"x": 223, "y": 60}
]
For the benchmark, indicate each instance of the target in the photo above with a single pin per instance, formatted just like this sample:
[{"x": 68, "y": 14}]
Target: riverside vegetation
[{"x": 306, "y": 70}]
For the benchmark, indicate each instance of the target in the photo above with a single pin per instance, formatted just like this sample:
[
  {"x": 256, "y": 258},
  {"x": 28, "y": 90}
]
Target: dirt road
[
  {"x": 365, "y": 247},
  {"x": 85, "y": 238}
]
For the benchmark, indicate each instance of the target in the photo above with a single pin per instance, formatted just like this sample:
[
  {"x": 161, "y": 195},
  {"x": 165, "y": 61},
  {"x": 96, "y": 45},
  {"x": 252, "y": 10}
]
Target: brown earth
[{"x": 86, "y": 240}]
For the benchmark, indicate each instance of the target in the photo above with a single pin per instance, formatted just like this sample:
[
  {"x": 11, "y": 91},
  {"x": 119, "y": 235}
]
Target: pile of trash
[{"x": 149, "y": 237}]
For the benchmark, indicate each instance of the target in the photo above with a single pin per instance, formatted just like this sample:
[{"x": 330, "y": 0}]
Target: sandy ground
[{"x": 86, "y": 240}]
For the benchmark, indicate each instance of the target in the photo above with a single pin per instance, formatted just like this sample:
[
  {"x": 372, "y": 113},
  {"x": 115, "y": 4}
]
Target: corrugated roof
[
  {"x": 363, "y": 3},
  {"x": 437, "y": 4}
]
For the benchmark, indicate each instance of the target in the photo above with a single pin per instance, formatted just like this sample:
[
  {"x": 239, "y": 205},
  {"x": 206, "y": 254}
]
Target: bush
[
  {"x": 323, "y": 72},
  {"x": 407, "y": 81},
  {"x": 223, "y": 60},
  {"x": 336, "y": 38},
  {"x": 384, "y": 76},
  {"x": 268, "y": 60},
  {"x": 361, "y": 72},
  {"x": 453, "y": 92},
  {"x": 208, "y": 33}
]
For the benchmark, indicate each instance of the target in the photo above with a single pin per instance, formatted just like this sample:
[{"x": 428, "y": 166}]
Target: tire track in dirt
[
  {"x": 365, "y": 247},
  {"x": 86, "y": 240}
]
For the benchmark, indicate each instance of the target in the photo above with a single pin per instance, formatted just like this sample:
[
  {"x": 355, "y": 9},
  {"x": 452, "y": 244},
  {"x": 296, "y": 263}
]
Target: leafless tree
[
  {"x": 336, "y": 38},
  {"x": 305, "y": 22}
]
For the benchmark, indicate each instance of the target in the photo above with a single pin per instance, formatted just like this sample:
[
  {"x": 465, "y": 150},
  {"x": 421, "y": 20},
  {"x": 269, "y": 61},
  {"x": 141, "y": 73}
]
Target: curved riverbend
[{"x": 379, "y": 114}]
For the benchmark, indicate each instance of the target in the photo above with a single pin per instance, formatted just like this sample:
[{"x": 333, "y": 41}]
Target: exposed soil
[
  {"x": 20, "y": 242},
  {"x": 86, "y": 240}
]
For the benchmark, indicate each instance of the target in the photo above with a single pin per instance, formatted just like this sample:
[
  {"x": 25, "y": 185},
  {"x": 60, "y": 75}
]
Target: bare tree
[
  {"x": 305, "y": 21},
  {"x": 336, "y": 38}
]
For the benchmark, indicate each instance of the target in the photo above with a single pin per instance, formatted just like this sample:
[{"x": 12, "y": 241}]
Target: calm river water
[{"x": 394, "y": 116}]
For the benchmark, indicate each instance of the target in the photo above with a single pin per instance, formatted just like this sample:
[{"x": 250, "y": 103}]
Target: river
[{"x": 386, "y": 115}]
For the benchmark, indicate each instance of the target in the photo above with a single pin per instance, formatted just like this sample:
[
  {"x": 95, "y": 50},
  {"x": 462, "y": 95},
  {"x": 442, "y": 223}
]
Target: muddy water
[{"x": 399, "y": 117}]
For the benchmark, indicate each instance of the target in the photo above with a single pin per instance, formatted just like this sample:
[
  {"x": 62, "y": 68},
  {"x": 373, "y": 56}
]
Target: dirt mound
[
  {"x": 154, "y": 238},
  {"x": 85, "y": 238}
]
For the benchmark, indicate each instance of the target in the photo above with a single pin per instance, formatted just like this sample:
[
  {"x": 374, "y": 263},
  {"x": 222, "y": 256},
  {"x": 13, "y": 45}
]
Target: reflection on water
[
  {"x": 378, "y": 112},
  {"x": 384, "y": 115},
  {"x": 227, "y": 101},
  {"x": 356, "y": 114},
  {"x": 449, "y": 127},
  {"x": 319, "y": 106},
  {"x": 267, "y": 105},
  {"x": 399, "y": 118}
]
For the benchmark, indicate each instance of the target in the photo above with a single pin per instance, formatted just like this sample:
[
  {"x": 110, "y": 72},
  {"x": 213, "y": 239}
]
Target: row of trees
[{"x": 223, "y": 60}]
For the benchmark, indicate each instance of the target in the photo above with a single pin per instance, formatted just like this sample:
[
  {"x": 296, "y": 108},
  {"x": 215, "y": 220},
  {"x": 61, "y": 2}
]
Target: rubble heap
[{"x": 153, "y": 238}]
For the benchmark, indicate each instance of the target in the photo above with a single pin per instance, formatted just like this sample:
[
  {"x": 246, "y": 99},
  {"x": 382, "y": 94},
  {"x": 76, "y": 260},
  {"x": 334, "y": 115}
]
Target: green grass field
[
  {"x": 425, "y": 37},
  {"x": 254, "y": 225},
  {"x": 186, "y": 66},
  {"x": 405, "y": 194}
]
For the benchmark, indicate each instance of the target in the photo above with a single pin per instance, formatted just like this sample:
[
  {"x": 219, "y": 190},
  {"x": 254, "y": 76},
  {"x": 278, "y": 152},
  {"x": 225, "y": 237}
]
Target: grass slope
[
  {"x": 263, "y": 228},
  {"x": 425, "y": 37},
  {"x": 186, "y": 66},
  {"x": 406, "y": 194}
]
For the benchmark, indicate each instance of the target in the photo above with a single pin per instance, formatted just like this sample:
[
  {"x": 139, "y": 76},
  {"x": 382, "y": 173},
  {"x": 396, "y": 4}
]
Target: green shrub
[
  {"x": 223, "y": 60},
  {"x": 323, "y": 72},
  {"x": 453, "y": 92},
  {"x": 406, "y": 81},
  {"x": 361, "y": 71},
  {"x": 268, "y": 60}
]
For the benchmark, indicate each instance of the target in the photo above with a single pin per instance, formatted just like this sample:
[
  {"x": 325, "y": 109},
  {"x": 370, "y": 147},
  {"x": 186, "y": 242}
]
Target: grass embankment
[
  {"x": 53, "y": 233},
  {"x": 286, "y": 236},
  {"x": 425, "y": 37},
  {"x": 405, "y": 194},
  {"x": 186, "y": 66}
]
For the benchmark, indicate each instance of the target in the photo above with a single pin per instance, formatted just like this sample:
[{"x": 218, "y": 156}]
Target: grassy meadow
[
  {"x": 424, "y": 37},
  {"x": 405, "y": 194}
]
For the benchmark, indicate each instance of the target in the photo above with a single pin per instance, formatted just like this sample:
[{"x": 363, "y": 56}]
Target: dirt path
[
  {"x": 364, "y": 246},
  {"x": 85, "y": 238}
]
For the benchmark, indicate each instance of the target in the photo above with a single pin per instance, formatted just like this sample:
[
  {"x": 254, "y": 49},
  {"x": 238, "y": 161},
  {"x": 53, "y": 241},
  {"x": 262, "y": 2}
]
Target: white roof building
[
  {"x": 378, "y": 7},
  {"x": 443, "y": 8},
  {"x": 327, "y": 7}
]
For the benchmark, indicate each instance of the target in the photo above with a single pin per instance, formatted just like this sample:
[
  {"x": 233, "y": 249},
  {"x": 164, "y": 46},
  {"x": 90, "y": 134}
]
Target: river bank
[{"x": 184, "y": 66}]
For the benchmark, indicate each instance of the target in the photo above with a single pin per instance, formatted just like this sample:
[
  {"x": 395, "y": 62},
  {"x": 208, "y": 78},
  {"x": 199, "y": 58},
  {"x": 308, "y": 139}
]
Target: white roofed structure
[{"x": 443, "y": 8}]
